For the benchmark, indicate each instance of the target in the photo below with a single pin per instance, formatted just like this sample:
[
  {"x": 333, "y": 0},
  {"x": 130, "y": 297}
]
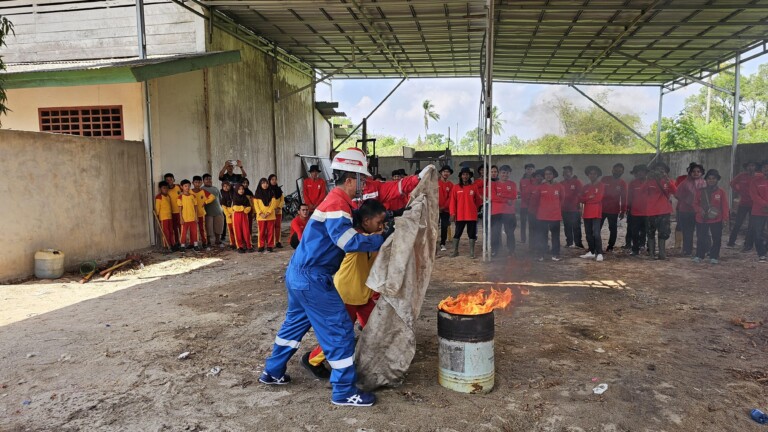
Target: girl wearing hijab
[
  {"x": 264, "y": 204},
  {"x": 227, "y": 195},
  {"x": 711, "y": 207},
  {"x": 277, "y": 191},
  {"x": 241, "y": 208}
]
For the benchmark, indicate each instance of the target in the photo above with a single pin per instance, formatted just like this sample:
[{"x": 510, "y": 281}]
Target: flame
[{"x": 476, "y": 303}]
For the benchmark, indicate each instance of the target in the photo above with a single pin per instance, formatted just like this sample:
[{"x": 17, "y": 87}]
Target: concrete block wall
[{"x": 84, "y": 196}]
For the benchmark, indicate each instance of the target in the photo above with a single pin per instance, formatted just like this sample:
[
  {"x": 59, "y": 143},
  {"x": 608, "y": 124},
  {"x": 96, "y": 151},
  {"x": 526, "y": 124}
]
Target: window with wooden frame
[{"x": 91, "y": 121}]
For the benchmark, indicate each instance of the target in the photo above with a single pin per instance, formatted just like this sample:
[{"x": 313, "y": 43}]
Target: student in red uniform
[
  {"x": 686, "y": 214},
  {"x": 571, "y": 216},
  {"x": 547, "y": 199},
  {"x": 164, "y": 215},
  {"x": 203, "y": 197},
  {"x": 658, "y": 191},
  {"x": 525, "y": 197},
  {"x": 614, "y": 202},
  {"x": 445, "y": 186},
  {"x": 174, "y": 191},
  {"x": 711, "y": 207},
  {"x": 758, "y": 192},
  {"x": 592, "y": 195},
  {"x": 315, "y": 189},
  {"x": 637, "y": 203},
  {"x": 264, "y": 205},
  {"x": 533, "y": 201},
  {"x": 188, "y": 210},
  {"x": 465, "y": 199},
  {"x": 740, "y": 186},
  {"x": 396, "y": 201},
  {"x": 241, "y": 207},
  {"x": 479, "y": 180},
  {"x": 503, "y": 197},
  {"x": 298, "y": 224},
  {"x": 393, "y": 194},
  {"x": 277, "y": 191}
]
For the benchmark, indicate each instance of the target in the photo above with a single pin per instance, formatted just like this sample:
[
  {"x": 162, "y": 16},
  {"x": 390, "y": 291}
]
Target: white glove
[{"x": 425, "y": 170}]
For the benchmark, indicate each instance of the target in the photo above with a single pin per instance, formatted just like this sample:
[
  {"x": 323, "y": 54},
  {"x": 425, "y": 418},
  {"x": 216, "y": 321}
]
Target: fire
[{"x": 476, "y": 303}]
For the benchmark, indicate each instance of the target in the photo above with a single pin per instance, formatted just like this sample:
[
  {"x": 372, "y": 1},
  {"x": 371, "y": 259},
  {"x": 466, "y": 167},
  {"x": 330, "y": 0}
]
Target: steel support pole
[
  {"x": 488, "y": 123},
  {"x": 658, "y": 123},
  {"x": 736, "y": 102},
  {"x": 142, "y": 54}
]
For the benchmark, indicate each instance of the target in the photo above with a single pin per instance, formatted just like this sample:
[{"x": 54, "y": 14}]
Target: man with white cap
[{"x": 312, "y": 298}]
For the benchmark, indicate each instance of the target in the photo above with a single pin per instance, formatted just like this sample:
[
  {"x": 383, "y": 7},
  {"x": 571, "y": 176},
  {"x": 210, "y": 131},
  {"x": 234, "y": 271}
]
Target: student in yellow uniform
[
  {"x": 165, "y": 215},
  {"x": 226, "y": 206},
  {"x": 188, "y": 210},
  {"x": 264, "y": 205},
  {"x": 173, "y": 193},
  {"x": 350, "y": 280},
  {"x": 203, "y": 197},
  {"x": 277, "y": 191}
]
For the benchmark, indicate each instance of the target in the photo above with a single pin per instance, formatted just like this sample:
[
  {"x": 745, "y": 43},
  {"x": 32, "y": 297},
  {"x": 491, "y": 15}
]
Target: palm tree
[
  {"x": 496, "y": 121},
  {"x": 429, "y": 113}
]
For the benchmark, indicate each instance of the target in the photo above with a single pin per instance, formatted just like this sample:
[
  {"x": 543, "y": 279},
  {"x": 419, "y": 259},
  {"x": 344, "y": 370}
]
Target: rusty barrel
[{"x": 466, "y": 352}]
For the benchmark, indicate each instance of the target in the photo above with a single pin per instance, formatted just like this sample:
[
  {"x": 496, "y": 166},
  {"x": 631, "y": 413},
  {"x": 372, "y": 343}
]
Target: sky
[{"x": 523, "y": 106}]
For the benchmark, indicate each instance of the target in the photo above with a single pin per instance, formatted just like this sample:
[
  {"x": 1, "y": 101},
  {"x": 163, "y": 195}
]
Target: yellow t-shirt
[
  {"x": 163, "y": 207},
  {"x": 351, "y": 277},
  {"x": 174, "y": 194},
  {"x": 259, "y": 207},
  {"x": 203, "y": 198},
  {"x": 188, "y": 205}
]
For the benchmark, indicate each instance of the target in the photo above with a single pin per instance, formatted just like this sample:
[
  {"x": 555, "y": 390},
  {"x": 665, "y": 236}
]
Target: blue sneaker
[
  {"x": 360, "y": 399},
  {"x": 268, "y": 379}
]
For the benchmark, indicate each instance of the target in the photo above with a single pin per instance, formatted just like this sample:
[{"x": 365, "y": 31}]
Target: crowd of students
[{"x": 646, "y": 202}]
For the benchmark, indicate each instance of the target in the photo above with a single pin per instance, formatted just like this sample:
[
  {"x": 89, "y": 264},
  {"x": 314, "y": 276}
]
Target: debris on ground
[
  {"x": 215, "y": 371},
  {"x": 185, "y": 355},
  {"x": 739, "y": 321},
  {"x": 600, "y": 389},
  {"x": 759, "y": 416}
]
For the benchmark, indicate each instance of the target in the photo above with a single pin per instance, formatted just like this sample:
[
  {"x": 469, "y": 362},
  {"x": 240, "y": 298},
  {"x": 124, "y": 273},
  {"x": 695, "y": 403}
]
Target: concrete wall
[
  {"x": 243, "y": 124},
  {"x": 717, "y": 158},
  {"x": 84, "y": 196},
  {"x": 179, "y": 141},
  {"x": 23, "y": 104},
  {"x": 322, "y": 135},
  {"x": 50, "y": 31}
]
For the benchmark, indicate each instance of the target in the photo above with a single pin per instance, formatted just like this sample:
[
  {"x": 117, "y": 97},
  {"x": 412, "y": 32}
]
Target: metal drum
[{"x": 466, "y": 352}]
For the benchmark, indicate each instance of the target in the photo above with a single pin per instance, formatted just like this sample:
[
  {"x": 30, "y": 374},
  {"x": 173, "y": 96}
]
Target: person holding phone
[{"x": 227, "y": 173}]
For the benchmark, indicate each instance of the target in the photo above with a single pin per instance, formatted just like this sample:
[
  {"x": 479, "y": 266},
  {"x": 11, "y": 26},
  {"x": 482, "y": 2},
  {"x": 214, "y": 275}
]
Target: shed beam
[
  {"x": 679, "y": 74},
  {"x": 278, "y": 97},
  {"x": 736, "y": 102},
  {"x": 379, "y": 38},
  {"x": 597, "y": 104}
]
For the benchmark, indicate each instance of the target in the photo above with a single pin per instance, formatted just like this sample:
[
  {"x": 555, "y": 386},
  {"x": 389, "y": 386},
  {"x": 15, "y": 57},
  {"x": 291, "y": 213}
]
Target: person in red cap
[
  {"x": 571, "y": 216},
  {"x": 315, "y": 189},
  {"x": 465, "y": 199},
  {"x": 445, "y": 186}
]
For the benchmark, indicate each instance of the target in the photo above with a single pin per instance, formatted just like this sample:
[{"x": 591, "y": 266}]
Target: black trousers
[
  {"x": 544, "y": 228},
  {"x": 533, "y": 234},
  {"x": 686, "y": 223},
  {"x": 594, "y": 240},
  {"x": 471, "y": 229},
  {"x": 445, "y": 222},
  {"x": 709, "y": 237},
  {"x": 572, "y": 226},
  {"x": 758, "y": 233},
  {"x": 638, "y": 232},
  {"x": 523, "y": 223},
  {"x": 742, "y": 213},
  {"x": 508, "y": 222},
  {"x": 660, "y": 224},
  {"x": 613, "y": 226}
]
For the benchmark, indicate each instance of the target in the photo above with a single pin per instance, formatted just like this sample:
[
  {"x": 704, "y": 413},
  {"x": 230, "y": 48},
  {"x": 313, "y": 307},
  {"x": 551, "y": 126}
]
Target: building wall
[
  {"x": 84, "y": 196},
  {"x": 241, "y": 107},
  {"x": 322, "y": 135},
  {"x": 23, "y": 104},
  {"x": 47, "y": 31},
  {"x": 179, "y": 143}
]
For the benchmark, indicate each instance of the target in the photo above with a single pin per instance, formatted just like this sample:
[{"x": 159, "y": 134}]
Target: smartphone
[{"x": 233, "y": 162}]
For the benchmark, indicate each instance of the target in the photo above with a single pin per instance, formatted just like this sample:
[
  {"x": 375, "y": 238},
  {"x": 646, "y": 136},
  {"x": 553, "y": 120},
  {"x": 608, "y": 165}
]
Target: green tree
[
  {"x": 594, "y": 124},
  {"x": 429, "y": 113},
  {"x": 6, "y": 28},
  {"x": 496, "y": 121},
  {"x": 469, "y": 142}
]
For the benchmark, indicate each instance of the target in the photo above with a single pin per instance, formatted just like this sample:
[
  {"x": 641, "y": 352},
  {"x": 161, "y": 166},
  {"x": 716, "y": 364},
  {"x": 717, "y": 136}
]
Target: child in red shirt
[
  {"x": 571, "y": 218},
  {"x": 547, "y": 199},
  {"x": 658, "y": 190},
  {"x": 525, "y": 196},
  {"x": 592, "y": 196},
  {"x": 445, "y": 186},
  {"x": 503, "y": 197},
  {"x": 711, "y": 207},
  {"x": 297, "y": 225},
  {"x": 637, "y": 203},
  {"x": 465, "y": 199}
]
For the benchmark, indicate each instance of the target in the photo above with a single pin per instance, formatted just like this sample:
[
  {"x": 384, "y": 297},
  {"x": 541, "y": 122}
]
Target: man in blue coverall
[{"x": 312, "y": 298}]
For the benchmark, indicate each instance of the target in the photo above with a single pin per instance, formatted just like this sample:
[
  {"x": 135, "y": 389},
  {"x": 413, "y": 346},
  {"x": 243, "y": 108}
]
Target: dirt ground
[{"x": 103, "y": 356}]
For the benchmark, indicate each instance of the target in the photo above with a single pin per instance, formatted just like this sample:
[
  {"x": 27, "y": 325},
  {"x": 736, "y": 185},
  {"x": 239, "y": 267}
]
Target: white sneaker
[
  {"x": 599, "y": 257},
  {"x": 587, "y": 255},
  {"x": 554, "y": 258},
  {"x": 442, "y": 248}
]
